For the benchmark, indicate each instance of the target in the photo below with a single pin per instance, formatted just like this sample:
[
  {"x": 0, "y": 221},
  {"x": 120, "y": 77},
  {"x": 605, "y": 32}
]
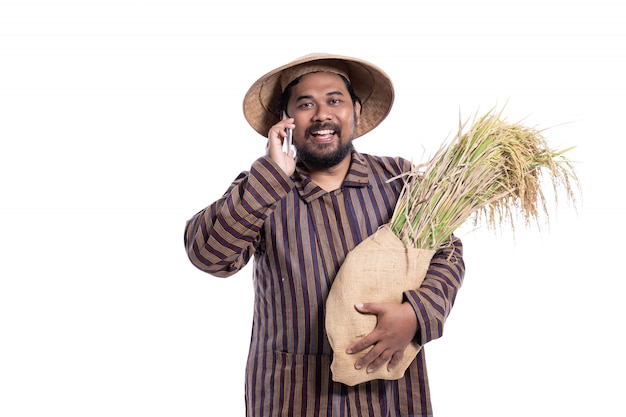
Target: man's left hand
[{"x": 395, "y": 329}]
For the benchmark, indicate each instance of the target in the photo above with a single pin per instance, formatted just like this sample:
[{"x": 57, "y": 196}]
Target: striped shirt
[{"x": 298, "y": 235}]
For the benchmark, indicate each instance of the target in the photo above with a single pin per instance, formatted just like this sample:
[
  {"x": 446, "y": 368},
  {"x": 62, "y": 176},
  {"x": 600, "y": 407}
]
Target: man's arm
[
  {"x": 421, "y": 316},
  {"x": 221, "y": 239},
  {"x": 434, "y": 299}
]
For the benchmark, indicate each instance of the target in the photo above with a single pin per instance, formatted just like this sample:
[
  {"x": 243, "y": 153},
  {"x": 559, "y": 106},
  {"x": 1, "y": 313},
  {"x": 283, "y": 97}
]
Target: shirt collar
[{"x": 358, "y": 176}]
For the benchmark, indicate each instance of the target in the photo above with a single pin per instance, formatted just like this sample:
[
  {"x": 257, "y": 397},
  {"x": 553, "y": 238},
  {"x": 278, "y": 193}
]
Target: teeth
[{"x": 324, "y": 132}]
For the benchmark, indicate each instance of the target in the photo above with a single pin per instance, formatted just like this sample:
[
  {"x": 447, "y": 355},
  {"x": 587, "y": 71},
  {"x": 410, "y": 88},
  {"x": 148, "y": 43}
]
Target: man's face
[{"x": 325, "y": 119}]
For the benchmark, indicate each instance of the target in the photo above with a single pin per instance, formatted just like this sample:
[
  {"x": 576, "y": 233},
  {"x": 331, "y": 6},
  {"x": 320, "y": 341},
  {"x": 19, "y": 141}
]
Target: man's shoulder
[{"x": 394, "y": 164}]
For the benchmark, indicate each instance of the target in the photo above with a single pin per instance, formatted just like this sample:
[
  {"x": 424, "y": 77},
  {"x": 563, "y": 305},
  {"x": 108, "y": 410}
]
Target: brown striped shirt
[{"x": 298, "y": 235}]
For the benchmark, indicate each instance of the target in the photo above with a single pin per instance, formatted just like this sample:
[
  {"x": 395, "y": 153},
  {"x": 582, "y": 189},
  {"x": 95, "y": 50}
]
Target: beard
[
  {"x": 325, "y": 160},
  {"x": 324, "y": 156}
]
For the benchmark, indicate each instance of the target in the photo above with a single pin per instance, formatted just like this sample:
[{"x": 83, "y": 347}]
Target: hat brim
[{"x": 371, "y": 84}]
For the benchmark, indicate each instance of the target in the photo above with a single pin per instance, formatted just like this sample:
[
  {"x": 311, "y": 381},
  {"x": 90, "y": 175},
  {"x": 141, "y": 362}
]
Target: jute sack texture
[{"x": 379, "y": 269}]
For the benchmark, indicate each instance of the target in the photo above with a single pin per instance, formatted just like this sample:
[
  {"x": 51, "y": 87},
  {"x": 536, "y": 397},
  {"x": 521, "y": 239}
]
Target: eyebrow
[{"x": 330, "y": 93}]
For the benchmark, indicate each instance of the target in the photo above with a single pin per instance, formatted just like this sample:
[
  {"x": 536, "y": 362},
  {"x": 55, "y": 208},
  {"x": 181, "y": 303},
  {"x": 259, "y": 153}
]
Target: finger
[
  {"x": 368, "y": 340},
  {"x": 395, "y": 360},
  {"x": 367, "y": 359},
  {"x": 374, "y": 359},
  {"x": 275, "y": 142},
  {"x": 367, "y": 308},
  {"x": 277, "y": 134},
  {"x": 282, "y": 125},
  {"x": 363, "y": 343},
  {"x": 289, "y": 123},
  {"x": 277, "y": 131},
  {"x": 377, "y": 361}
]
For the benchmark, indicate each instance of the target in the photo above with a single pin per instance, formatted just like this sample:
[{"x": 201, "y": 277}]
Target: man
[{"x": 299, "y": 214}]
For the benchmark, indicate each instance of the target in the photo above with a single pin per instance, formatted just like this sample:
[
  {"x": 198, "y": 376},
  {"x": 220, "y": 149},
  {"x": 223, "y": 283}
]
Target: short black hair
[{"x": 286, "y": 95}]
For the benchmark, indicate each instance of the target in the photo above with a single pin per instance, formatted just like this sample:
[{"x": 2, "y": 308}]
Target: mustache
[{"x": 323, "y": 126}]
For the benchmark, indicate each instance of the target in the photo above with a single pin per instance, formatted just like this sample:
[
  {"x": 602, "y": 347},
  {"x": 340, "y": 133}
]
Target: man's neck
[{"x": 331, "y": 179}]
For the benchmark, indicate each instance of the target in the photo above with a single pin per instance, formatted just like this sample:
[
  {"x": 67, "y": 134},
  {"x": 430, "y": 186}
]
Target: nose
[{"x": 322, "y": 112}]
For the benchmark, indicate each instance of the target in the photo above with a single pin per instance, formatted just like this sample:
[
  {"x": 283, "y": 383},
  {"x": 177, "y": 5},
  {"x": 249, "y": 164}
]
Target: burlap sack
[{"x": 379, "y": 269}]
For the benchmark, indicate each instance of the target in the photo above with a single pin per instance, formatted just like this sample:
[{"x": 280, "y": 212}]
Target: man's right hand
[{"x": 275, "y": 139}]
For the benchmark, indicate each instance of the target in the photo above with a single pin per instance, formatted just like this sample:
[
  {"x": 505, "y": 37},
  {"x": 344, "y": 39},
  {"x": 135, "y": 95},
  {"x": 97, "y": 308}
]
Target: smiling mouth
[{"x": 325, "y": 135}]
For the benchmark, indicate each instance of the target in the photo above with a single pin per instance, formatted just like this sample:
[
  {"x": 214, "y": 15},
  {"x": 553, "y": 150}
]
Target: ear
[{"x": 357, "y": 113}]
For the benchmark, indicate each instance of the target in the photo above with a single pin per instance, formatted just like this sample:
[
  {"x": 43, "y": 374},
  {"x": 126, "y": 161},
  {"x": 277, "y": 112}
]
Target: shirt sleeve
[
  {"x": 221, "y": 239},
  {"x": 434, "y": 299}
]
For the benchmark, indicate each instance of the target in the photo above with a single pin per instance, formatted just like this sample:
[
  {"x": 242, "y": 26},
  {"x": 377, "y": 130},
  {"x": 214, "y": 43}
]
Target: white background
[{"x": 119, "y": 119}]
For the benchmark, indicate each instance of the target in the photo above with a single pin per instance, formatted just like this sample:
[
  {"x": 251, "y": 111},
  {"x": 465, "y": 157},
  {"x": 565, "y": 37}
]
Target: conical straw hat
[{"x": 261, "y": 105}]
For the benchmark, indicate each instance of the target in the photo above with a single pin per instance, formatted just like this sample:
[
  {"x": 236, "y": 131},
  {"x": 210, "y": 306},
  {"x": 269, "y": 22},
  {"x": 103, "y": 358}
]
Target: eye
[{"x": 335, "y": 101}]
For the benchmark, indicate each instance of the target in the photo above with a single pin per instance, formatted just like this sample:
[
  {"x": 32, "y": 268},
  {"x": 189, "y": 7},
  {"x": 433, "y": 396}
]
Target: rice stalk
[{"x": 490, "y": 173}]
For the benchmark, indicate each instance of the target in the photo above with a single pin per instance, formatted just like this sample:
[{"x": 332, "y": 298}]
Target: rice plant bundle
[{"x": 491, "y": 173}]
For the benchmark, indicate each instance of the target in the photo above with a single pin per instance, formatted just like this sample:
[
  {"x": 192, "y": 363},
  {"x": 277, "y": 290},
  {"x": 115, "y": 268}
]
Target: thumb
[{"x": 366, "y": 308}]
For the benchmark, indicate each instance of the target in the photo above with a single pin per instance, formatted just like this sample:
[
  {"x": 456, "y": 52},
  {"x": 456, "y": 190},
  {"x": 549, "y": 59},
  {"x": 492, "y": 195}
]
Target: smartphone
[{"x": 288, "y": 142}]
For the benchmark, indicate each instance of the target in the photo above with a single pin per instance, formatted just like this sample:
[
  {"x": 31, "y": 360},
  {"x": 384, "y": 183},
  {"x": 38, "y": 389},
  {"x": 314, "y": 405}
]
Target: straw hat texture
[{"x": 261, "y": 104}]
